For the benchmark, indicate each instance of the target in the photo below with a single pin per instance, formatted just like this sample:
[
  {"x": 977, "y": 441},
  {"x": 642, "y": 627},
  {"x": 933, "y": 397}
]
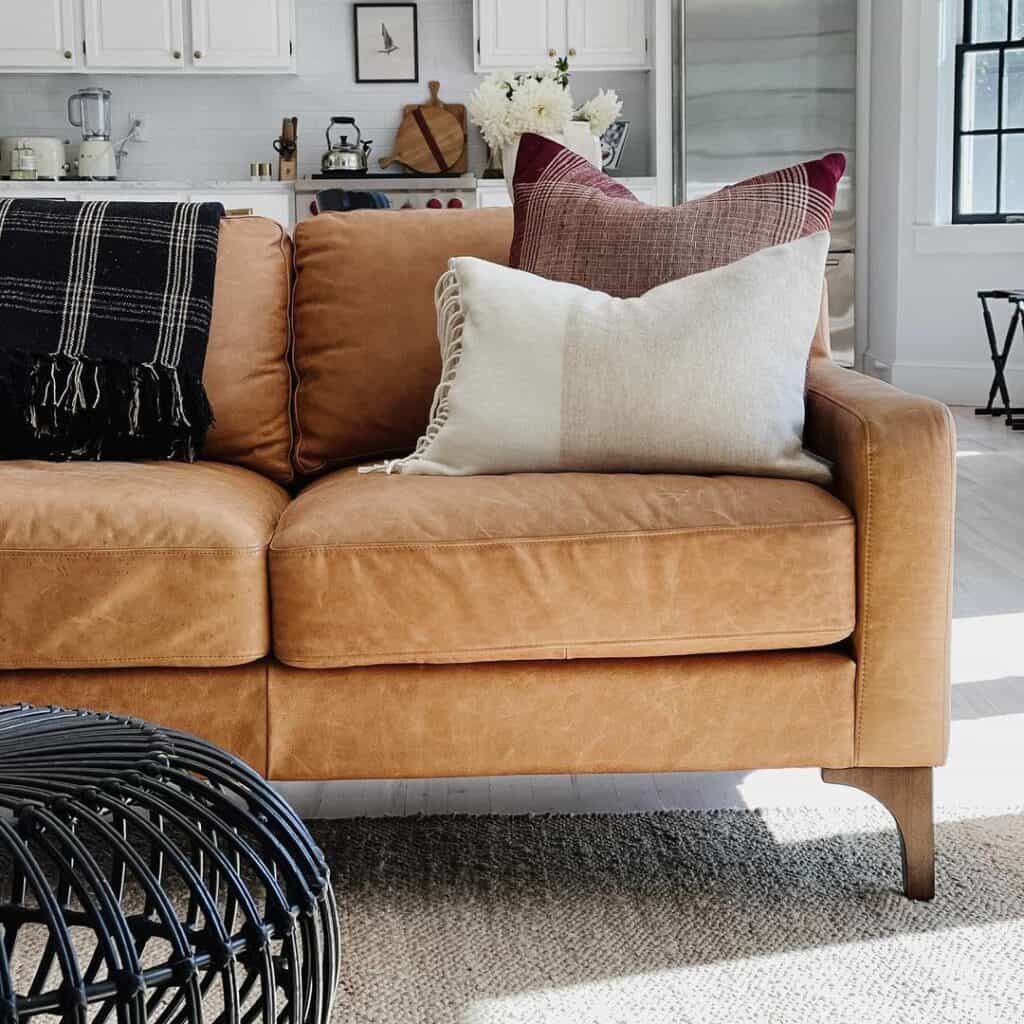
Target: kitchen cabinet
[
  {"x": 277, "y": 205},
  {"x": 520, "y": 35},
  {"x": 241, "y": 33},
  {"x": 489, "y": 196},
  {"x": 133, "y": 34},
  {"x": 606, "y": 33},
  {"x": 38, "y": 35},
  {"x": 178, "y": 37},
  {"x": 594, "y": 34},
  {"x": 113, "y": 195}
]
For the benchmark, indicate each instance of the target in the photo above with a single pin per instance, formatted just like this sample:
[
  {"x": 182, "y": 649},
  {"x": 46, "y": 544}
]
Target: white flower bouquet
[
  {"x": 601, "y": 112},
  {"x": 505, "y": 106}
]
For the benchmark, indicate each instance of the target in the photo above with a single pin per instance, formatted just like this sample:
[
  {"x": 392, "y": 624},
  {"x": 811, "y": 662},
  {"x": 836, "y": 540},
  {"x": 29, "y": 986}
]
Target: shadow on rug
[{"x": 702, "y": 916}]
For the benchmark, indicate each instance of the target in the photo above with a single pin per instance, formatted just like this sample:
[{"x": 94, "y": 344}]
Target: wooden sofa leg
[{"x": 907, "y": 795}]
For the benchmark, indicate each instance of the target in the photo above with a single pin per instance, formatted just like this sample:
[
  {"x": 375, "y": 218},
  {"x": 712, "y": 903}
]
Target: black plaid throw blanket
[{"x": 104, "y": 320}]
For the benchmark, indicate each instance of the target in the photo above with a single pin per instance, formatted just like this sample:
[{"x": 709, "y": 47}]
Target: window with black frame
[{"x": 988, "y": 155}]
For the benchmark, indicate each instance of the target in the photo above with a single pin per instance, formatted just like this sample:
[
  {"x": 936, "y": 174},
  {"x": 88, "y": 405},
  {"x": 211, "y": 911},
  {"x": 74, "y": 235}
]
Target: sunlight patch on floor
[
  {"x": 777, "y": 983},
  {"x": 988, "y": 647}
]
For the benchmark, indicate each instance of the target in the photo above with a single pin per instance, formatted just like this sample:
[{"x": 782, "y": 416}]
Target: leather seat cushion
[
  {"x": 374, "y": 569},
  {"x": 134, "y": 564}
]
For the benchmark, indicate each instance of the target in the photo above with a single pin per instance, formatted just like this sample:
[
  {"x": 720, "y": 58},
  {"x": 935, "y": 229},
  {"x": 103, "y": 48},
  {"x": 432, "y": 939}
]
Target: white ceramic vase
[{"x": 577, "y": 136}]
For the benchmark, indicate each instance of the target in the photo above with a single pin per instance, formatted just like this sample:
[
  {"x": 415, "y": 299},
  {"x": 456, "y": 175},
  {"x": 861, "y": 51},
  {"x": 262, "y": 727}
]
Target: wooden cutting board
[{"x": 432, "y": 137}]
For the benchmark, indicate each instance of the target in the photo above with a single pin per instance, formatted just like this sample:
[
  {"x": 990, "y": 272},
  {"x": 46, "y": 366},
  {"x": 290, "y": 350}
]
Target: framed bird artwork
[{"x": 387, "y": 43}]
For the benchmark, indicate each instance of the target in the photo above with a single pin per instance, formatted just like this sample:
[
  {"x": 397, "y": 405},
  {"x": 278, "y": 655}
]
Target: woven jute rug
[{"x": 702, "y": 916}]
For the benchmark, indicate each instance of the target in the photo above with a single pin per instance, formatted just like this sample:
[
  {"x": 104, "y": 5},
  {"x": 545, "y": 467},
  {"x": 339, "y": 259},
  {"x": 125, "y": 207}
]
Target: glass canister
[{"x": 23, "y": 163}]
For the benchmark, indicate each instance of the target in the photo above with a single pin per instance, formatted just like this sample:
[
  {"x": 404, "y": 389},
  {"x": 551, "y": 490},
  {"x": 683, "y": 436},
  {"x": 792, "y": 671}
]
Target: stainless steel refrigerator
[{"x": 763, "y": 84}]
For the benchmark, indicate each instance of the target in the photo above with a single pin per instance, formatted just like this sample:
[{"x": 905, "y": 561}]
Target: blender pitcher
[{"x": 89, "y": 109}]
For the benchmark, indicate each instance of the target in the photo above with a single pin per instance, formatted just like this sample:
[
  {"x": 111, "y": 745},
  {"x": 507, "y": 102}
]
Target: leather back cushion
[
  {"x": 366, "y": 353},
  {"x": 246, "y": 373}
]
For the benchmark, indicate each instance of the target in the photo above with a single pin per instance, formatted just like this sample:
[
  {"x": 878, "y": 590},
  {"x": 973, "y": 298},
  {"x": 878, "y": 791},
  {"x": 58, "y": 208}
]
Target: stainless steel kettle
[{"x": 345, "y": 158}]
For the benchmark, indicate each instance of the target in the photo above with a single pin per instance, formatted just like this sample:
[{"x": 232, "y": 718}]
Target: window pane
[
  {"x": 1013, "y": 111},
  {"x": 1013, "y": 174},
  {"x": 1018, "y": 19},
  {"x": 978, "y": 174},
  {"x": 988, "y": 24},
  {"x": 980, "y": 95}
]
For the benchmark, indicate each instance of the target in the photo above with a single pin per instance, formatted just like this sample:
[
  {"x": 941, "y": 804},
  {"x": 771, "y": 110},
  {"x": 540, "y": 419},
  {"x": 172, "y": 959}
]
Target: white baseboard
[
  {"x": 955, "y": 383},
  {"x": 876, "y": 367}
]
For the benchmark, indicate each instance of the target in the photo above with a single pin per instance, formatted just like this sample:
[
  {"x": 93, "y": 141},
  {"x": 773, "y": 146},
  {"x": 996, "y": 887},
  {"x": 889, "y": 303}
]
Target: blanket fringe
[
  {"x": 451, "y": 321},
  {"x": 60, "y": 407}
]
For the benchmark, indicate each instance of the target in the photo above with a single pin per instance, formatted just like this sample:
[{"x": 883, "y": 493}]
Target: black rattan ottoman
[{"x": 146, "y": 875}]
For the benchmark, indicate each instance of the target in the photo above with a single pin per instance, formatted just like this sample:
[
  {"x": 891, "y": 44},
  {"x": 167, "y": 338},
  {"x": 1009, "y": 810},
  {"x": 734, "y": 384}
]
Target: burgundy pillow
[{"x": 575, "y": 224}]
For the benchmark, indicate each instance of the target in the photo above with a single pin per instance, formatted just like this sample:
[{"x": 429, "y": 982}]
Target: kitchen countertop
[
  {"x": 405, "y": 182},
  {"x": 155, "y": 184},
  {"x": 646, "y": 178}
]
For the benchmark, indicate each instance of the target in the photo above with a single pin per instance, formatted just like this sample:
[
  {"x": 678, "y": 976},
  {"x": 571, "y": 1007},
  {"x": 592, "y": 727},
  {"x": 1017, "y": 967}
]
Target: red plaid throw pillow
[{"x": 575, "y": 224}]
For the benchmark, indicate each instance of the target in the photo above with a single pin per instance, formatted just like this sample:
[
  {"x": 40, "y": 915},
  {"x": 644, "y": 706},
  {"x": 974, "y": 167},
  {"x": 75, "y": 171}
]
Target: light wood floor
[{"x": 986, "y": 766}]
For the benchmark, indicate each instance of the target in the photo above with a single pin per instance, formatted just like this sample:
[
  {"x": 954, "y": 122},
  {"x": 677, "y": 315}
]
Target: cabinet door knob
[
  {"x": 552, "y": 52},
  {"x": 572, "y": 51},
  {"x": 68, "y": 55},
  {"x": 176, "y": 55},
  {"x": 198, "y": 54}
]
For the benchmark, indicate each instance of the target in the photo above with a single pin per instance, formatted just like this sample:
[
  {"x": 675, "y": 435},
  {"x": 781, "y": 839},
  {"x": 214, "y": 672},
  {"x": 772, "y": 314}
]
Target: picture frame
[
  {"x": 613, "y": 142},
  {"x": 386, "y": 42}
]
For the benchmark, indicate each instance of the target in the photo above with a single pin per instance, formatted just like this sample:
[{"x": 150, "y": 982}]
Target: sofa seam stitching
[
  {"x": 555, "y": 645},
  {"x": 266, "y": 716},
  {"x": 289, "y": 341},
  {"x": 311, "y": 549},
  {"x": 220, "y": 661},
  {"x": 862, "y": 662},
  {"x": 293, "y": 404},
  {"x": 952, "y": 468},
  {"x": 73, "y": 554}
]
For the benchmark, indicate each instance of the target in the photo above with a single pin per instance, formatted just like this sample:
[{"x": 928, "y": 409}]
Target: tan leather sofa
[{"x": 324, "y": 624}]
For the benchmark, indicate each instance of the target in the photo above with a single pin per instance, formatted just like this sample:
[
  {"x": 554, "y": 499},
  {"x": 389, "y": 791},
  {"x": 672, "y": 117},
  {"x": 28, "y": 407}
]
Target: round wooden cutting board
[{"x": 431, "y": 138}]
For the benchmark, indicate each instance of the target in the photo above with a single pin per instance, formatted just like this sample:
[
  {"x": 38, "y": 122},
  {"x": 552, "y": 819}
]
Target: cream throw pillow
[{"x": 701, "y": 375}]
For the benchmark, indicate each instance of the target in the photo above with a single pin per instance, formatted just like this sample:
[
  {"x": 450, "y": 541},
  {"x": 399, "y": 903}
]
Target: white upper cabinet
[
  {"x": 527, "y": 34},
  {"x": 40, "y": 34},
  {"x": 522, "y": 34},
  {"x": 158, "y": 36},
  {"x": 242, "y": 33},
  {"x": 607, "y": 33},
  {"x": 133, "y": 34}
]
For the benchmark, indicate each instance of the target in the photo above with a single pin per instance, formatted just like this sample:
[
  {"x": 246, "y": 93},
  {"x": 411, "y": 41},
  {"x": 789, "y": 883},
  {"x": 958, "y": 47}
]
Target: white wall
[
  {"x": 212, "y": 127},
  {"x": 925, "y": 330}
]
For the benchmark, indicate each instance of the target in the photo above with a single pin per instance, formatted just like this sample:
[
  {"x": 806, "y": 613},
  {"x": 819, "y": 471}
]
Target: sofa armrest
[{"x": 895, "y": 467}]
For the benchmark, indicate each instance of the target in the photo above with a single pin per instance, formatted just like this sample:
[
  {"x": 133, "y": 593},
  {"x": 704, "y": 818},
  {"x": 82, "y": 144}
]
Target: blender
[{"x": 89, "y": 109}]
